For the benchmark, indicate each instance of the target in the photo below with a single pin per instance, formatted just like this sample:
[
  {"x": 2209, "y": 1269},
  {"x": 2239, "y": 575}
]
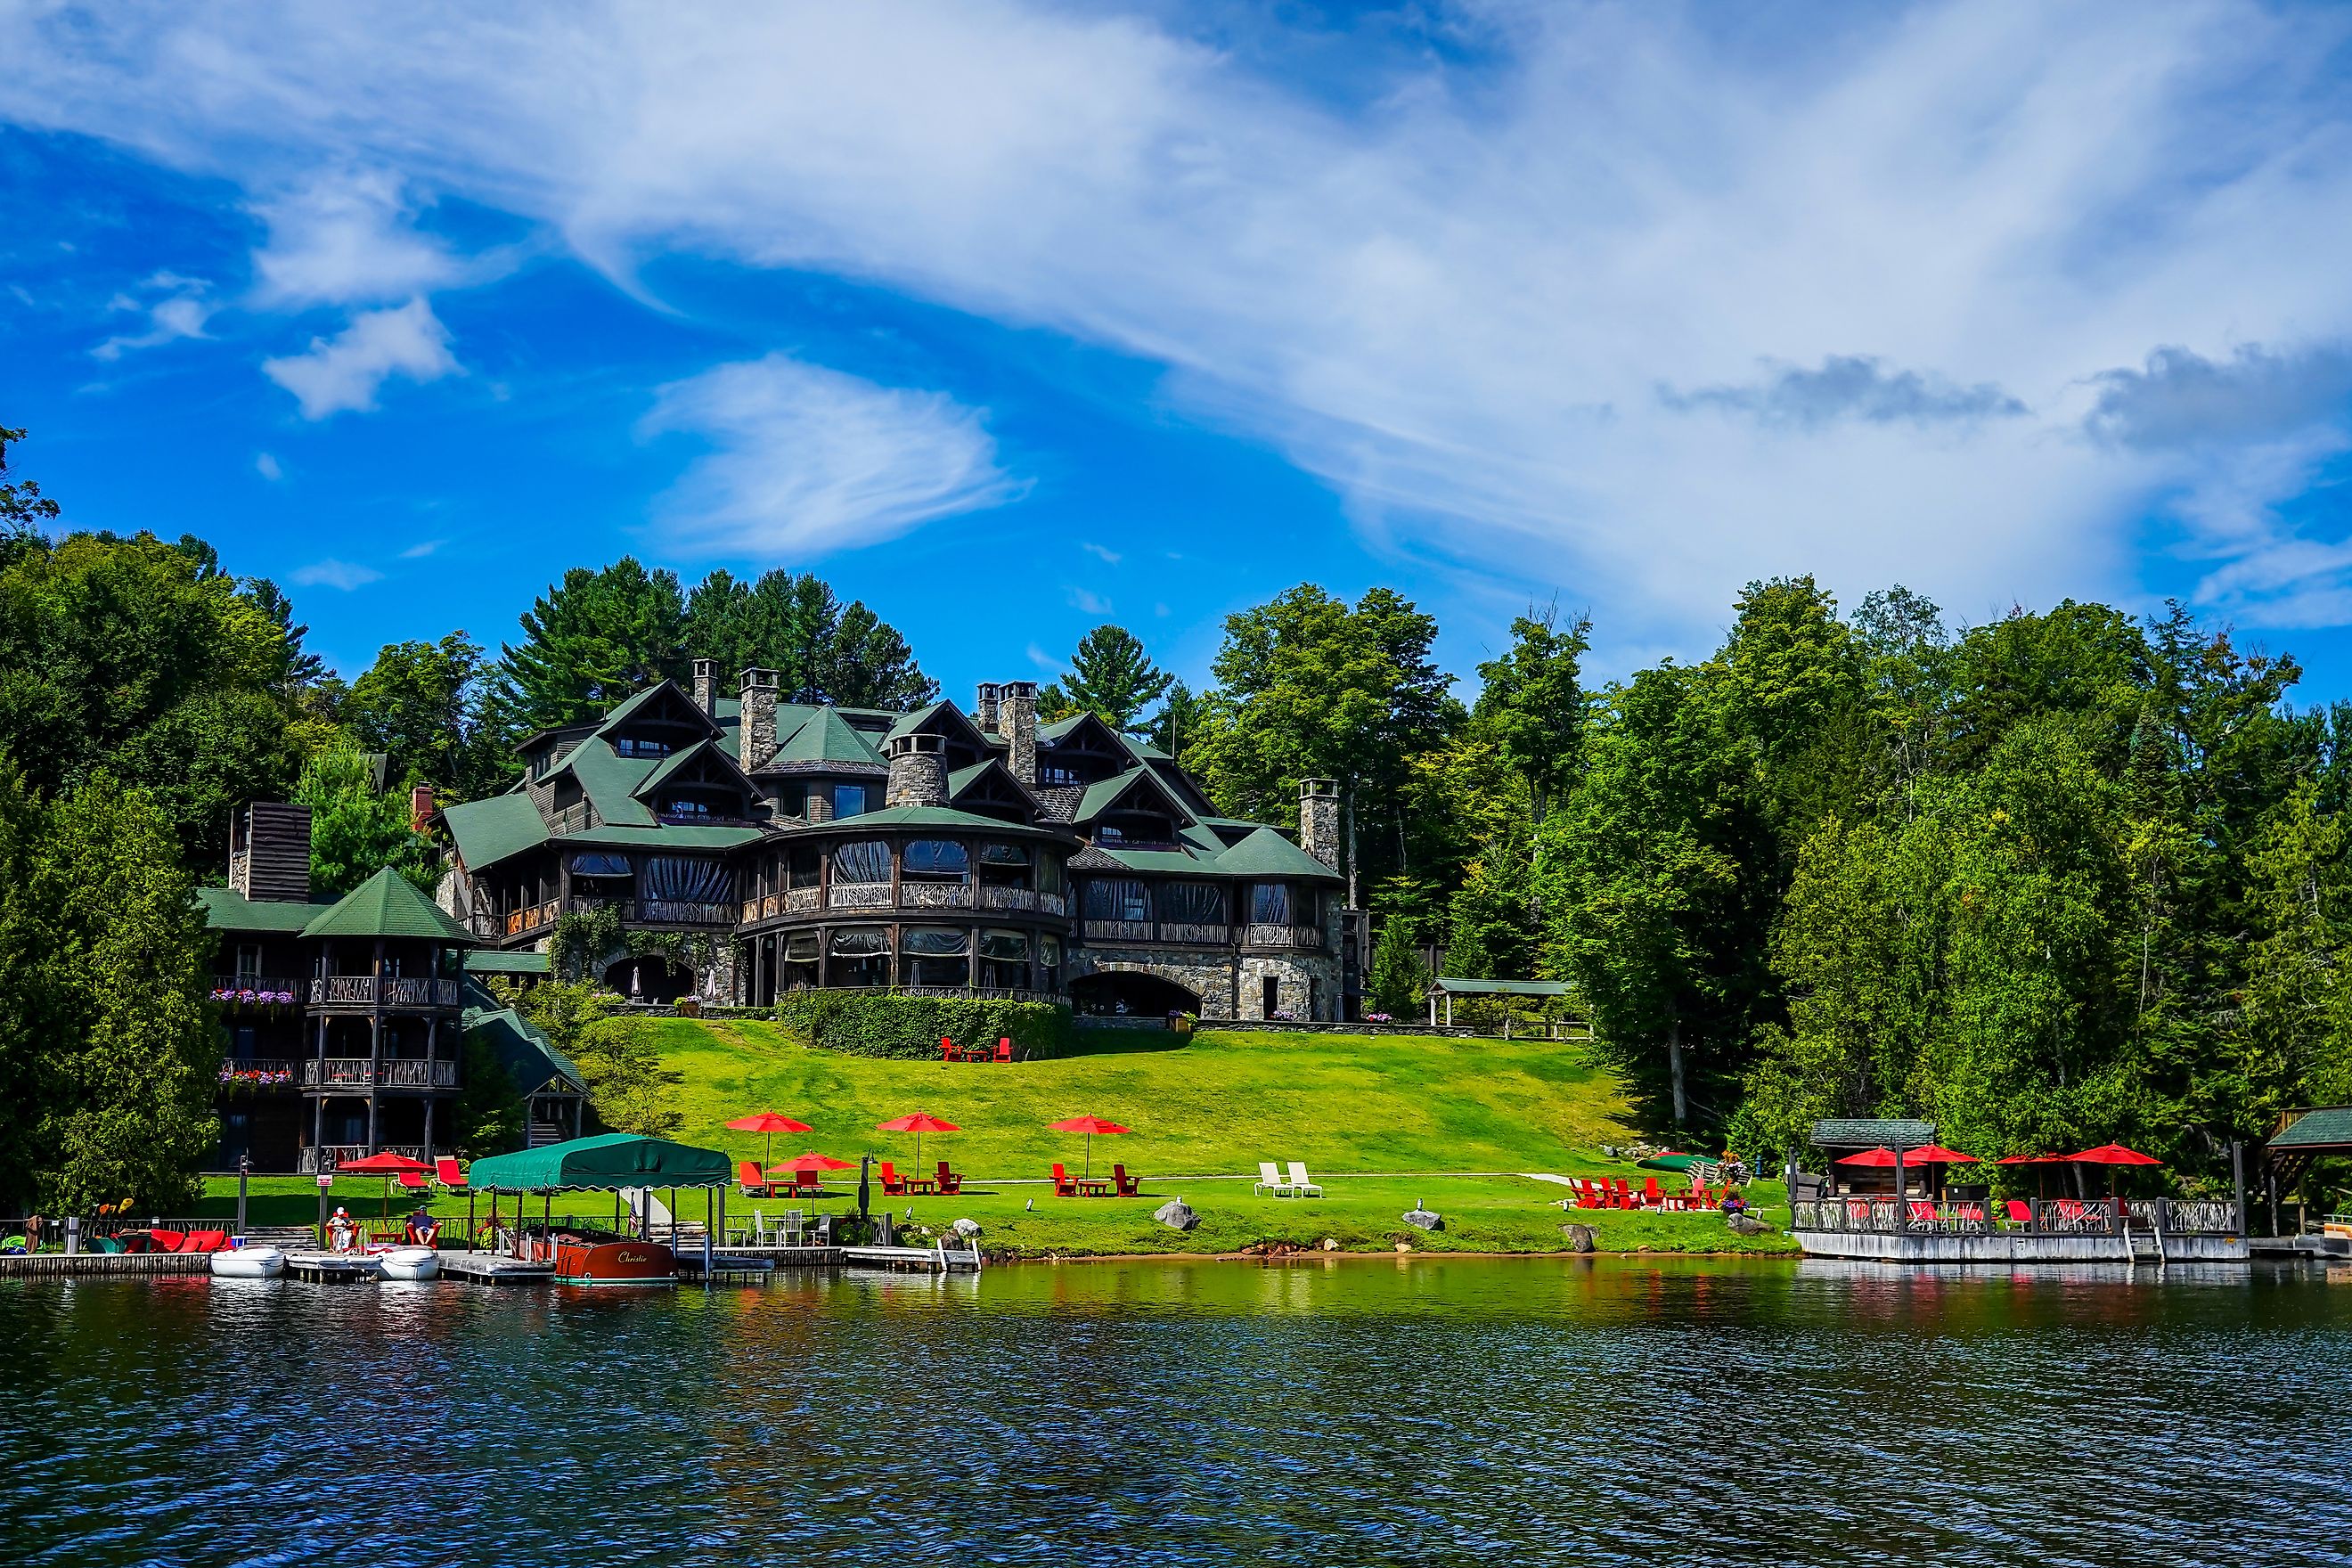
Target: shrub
[{"x": 877, "y": 1023}]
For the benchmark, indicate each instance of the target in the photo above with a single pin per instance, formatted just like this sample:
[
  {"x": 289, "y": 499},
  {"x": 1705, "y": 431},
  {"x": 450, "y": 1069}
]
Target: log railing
[
  {"x": 1286, "y": 936},
  {"x": 392, "y": 990}
]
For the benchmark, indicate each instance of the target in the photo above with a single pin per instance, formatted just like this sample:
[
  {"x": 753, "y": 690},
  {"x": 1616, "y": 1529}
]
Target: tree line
[{"x": 2063, "y": 877}]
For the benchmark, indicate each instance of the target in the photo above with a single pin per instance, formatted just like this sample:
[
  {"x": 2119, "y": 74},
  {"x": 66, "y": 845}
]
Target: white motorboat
[
  {"x": 248, "y": 1263},
  {"x": 410, "y": 1263}
]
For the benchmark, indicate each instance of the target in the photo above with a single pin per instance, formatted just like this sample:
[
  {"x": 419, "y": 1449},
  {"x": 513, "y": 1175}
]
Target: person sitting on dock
[
  {"x": 423, "y": 1228},
  {"x": 340, "y": 1231}
]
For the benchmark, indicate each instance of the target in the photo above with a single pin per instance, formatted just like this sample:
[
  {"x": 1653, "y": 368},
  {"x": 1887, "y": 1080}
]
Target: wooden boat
[
  {"x": 600, "y": 1258},
  {"x": 248, "y": 1263}
]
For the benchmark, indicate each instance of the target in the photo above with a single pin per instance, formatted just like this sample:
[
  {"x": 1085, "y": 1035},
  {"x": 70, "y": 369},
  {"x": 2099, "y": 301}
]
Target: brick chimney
[
  {"x": 757, "y": 688},
  {"x": 918, "y": 771},
  {"x": 984, "y": 711},
  {"x": 1016, "y": 721},
  {"x": 1318, "y": 820},
  {"x": 270, "y": 852},
  {"x": 705, "y": 685},
  {"x": 420, "y": 807}
]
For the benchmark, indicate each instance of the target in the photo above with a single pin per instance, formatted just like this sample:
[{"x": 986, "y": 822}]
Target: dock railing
[{"x": 2040, "y": 1216}]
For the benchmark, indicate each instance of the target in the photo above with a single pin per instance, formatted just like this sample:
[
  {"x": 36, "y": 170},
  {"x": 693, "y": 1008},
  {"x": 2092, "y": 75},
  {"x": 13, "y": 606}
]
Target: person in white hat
[{"x": 340, "y": 1230}]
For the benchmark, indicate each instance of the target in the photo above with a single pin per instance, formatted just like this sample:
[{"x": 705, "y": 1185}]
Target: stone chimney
[
  {"x": 984, "y": 711},
  {"x": 918, "y": 771},
  {"x": 1016, "y": 721},
  {"x": 705, "y": 685},
  {"x": 270, "y": 852},
  {"x": 757, "y": 688},
  {"x": 1318, "y": 820}
]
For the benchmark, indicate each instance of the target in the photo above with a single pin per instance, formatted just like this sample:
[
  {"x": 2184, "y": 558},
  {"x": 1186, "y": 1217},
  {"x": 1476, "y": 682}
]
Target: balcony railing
[
  {"x": 514, "y": 922},
  {"x": 858, "y": 896},
  {"x": 663, "y": 911},
  {"x": 359, "y": 1072},
  {"x": 2037, "y": 1216},
  {"x": 1007, "y": 899},
  {"x": 1295, "y": 937},
  {"x": 1118, "y": 931},
  {"x": 255, "y": 1072},
  {"x": 253, "y": 990},
  {"x": 391, "y": 991},
  {"x": 935, "y": 895}
]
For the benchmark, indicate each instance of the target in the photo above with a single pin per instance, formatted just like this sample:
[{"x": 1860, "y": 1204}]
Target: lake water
[{"x": 1588, "y": 1411}]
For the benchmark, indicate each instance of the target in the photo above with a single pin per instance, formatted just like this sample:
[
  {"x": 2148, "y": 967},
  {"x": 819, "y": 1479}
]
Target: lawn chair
[
  {"x": 1064, "y": 1184},
  {"x": 753, "y": 1184},
  {"x": 1621, "y": 1195},
  {"x": 1653, "y": 1196},
  {"x": 948, "y": 1052},
  {"x": 949, "y": 1180},
  {"x": 793, "y": 1227},
  {"x": 1698, "y": 1197},
  {"x": 1590, "y": 1197},
  {"x": 1269, "y": 1180},
  {"x": 450, "y": 1173},
  {"x": 2019, "y": 1212},
  {"x": 1003, "y": 1050},
  {"x": 1123, "y": 1183},
  {"x": 893, "y": 1183},
  {"x": 413, "y": 1181},
  {"x": 1299, "y": 1184},
  {"x": 808, "y": 1185}
]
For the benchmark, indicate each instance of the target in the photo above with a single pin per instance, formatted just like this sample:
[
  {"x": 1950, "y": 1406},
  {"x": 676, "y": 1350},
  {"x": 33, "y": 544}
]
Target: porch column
[
  {"x": 319, "y": 1097},
  {"x": 428, "y": 1128},
  {"x": 375, "y": 1070}
]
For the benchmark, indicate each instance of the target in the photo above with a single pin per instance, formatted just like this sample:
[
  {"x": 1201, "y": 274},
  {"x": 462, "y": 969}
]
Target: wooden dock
[
  {"x": 494, "y": 1269},
  {"x": 333, "y": 1268},
  {"x": 941, "y": 1260}
]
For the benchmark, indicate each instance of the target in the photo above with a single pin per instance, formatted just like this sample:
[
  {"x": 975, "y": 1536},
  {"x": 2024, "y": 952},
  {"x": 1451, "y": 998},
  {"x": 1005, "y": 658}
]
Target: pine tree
[
  {"x": 1112, "y": 678},
  {"x": 1398, "y": 980}
]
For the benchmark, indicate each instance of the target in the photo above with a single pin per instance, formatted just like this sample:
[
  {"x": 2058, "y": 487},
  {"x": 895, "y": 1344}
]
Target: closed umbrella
[
  {"x": 1090, "y": 1125},
  {"x": 916, "y": 1122},
  {"x": 770, "y": 1122}
]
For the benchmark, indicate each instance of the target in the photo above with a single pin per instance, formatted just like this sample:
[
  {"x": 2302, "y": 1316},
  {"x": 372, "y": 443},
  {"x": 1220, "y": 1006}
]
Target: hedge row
[{"x": 877, "y": 1024}]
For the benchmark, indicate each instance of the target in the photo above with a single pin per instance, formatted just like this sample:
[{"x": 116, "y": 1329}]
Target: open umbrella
[
  {"x": 770, "y": 1122},
  {"x": 2111, "y": 1155},
  {"x": 1873, "y": 1157},
  {"x": 809, "y": 1161},
  {"x": 916, "y": 1122},
  {"x": 1937, "y": 1154},
  {"x": 1090, "y": 1125},
  {"x": 387, "y": 1165}
]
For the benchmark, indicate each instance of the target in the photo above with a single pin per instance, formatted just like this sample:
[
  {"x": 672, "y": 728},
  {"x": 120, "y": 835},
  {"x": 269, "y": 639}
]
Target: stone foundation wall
[{"x": 1229, "y": 985}]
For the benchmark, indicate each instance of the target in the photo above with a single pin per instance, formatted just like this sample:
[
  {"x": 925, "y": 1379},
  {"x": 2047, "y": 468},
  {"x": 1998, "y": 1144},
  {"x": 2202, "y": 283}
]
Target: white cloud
[
  {"x": 344, "y": 371},
  {"x": 344, "y": 237},
  {"x": 1106, "y": 555},
  {"x": 182, "y": 312},
  {"x": 268, "y": 468},
  {"x": 1045, "y": 662},
  {"x": 1088, "y": 603},
  {"x": 421, "y": 548},
  {"x": 334, "y": 574},
  {"x": 1455, "y": 292},
  {"x": 807, "y": 459}
]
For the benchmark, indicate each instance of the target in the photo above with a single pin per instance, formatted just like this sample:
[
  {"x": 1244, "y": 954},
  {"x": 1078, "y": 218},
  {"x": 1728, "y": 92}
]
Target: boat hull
[
  {"x": 410, "y": 1263},
  {"x": 248, "y": 1263},
  {"x": 615, "y": 1263}
]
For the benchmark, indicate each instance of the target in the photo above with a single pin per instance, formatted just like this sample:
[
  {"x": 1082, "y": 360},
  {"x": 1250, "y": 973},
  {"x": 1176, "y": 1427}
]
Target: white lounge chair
[
  {"x": 1269, "y": 1180},
  {"x": 1299, "y": 1186}
]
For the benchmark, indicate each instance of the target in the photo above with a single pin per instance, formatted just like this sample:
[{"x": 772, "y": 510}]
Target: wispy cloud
[
  {"x": 1103, "y": 554},
  {"x": 343, "y": 236},
  {"x": 1087, "y": 601},
  {"x": 1850, "y": 386},
  {"x": 421, "y": 548},
  {"x": 184, "y": 311},
  {"x": 1045, "y": 662},
  {"x": 805, "y": 459},
  {"x": 268, "y": 467},
  {"x": 346, "y": 371},
  {"x": 334, "y": 574}
]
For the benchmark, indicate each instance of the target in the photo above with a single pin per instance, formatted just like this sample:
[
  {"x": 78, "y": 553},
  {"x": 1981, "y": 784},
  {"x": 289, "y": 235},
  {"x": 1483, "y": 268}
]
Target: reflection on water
[{"x": 1424, "y": 1410}]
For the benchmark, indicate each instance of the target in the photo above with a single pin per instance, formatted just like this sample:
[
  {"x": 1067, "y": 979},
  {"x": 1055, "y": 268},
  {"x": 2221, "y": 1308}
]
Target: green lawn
[{"x": 1379, "y": 1120}]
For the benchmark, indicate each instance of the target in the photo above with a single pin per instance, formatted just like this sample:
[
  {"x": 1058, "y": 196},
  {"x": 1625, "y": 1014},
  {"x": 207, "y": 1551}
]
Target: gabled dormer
[
  {"x": 698, "y": 785},
  {"x": 1080, "y": 750},
  {"x": 988, "y": 789},
  {"x": 1133, "y": 810},
  {"x": 658, "y": 723}
]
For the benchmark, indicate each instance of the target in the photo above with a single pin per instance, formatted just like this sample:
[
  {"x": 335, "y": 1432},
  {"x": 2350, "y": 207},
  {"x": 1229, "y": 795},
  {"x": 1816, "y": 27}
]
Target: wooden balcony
[
  {"x": 255, "y": 1073},
  {"x": 254, "y": 990},
  {"x": 663, "y": 911},
  {"x": 359, "y": 1073},
  {"x": 388, "y": 991}
]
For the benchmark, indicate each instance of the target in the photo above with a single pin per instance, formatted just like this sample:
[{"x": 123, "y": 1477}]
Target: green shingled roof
[
  {"x": 1100, "y": 794},
  {"x": 228, "y": 910},
  {"x": 494, "y": 961},
  {"x": 530, "y": 1057},
  {"x": 938, "y": 816},
  {"x": 387, "y": 904},
  {"x": 2330, "y": 1126},
  {"x": 610, "y": 780},
  {"x": 487, "y": 831},
  {"x": 1170, "y": 862},
  {"x": 659, "y": 837},
  {"x": 1266, "y": 853},
  {"x": 825, "y": 736},
  {"x": 1872, "y": 1132}
]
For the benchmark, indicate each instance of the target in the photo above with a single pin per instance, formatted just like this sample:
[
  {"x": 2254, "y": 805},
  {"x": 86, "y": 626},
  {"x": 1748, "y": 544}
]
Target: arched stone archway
[
  {"x": 1132, "y": 993},
  {"x": 649, "y": 977}
]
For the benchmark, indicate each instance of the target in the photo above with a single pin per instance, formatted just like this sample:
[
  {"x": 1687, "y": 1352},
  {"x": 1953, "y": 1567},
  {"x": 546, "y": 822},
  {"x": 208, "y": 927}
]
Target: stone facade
[
  {"x": 1229, "y": 985},
  {"x": 918, "y": 774},
  {"x": 758, "y": 689},
  {"x": 1016, "y": 721},
  {"x": 705, "y": 685},
  {"x": 1318, "y": 820}
]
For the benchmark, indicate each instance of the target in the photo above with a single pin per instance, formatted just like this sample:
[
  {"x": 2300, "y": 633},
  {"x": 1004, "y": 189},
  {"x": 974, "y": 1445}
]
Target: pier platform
[
  {"x": 494, "y": 1269},
  {"x": 333, "y": 1268},
  {"x": 943, "y": 1259},
  {"x": 61, "y": 1265}
]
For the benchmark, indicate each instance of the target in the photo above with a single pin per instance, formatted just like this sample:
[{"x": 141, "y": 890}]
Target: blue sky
[{"x": 1010, "y": 319}]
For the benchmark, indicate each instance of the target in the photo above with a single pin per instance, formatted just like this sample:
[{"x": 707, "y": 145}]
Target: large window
[
  {"x": 862, "y": 861},
  {"x": 676, "y": 879},
  {"x": 805, "y": 866},
  {"x": 630, "y": 746},
  {"x": 1117, "y": 899},
  {"x": 1192, "y": 904},
  {"x": 1004, "y": 959},
  {"x": 935, "y": 955},
  {"x": 1049, "y": 872},
  {"x": 1005, "y": 865},
  {"x": 1272, "y": 904},
  {"x": 849, "y": 800},
  {"x": 860, "y": 956},
  {"x": 936, "y": 861}
]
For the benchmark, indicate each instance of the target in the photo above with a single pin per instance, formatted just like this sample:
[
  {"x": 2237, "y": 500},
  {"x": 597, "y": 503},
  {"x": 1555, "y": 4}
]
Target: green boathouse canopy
[{"x": 603, "y": 1163}]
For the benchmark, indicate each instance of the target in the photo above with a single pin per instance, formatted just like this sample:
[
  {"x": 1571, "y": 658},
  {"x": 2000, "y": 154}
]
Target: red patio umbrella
[
  {"x": 2111, "y": 1155},
  {"x": 770, "y": 1122},
  {"x": 812, "y": 1161},
  {"x": 387, "y": 1165},
  {"x": 1090, "y": 1125},
  {"x": 1873, "y": 1157},
  {"x": 916, "y": 1122},
  {"x": 1937, "y": 1154}
]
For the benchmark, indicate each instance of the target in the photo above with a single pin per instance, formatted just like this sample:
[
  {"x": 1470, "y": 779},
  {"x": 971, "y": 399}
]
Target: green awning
[{"x": 603, "y": 1163}]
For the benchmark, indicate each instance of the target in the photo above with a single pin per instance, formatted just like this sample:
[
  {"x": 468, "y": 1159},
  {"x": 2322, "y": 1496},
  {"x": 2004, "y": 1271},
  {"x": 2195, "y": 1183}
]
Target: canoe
[
  {"x": 248, "y": 1263},
  {"x": 409, "y": 1263}
]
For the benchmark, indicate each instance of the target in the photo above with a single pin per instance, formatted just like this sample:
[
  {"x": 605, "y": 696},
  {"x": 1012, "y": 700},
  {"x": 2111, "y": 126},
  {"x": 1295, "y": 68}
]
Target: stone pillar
[
  {"x": 705, "y": 685},
  {"x": 1318, "y": 820},
  {"x": 1016, "y": 721},
  {"x": 757, "y": 687},
  {"x": 919, "y": 773},
  {"x": 984, "y": 711}
]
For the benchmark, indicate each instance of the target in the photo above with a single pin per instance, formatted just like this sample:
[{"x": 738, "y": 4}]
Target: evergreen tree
[
  {"x": 1398, "y": 982},
  {"x": 591, "y": 640},
  {"x": 28, "y": 1030},
  {"x": 822, "y": 650},
  {"x": 422, "y": 705},
  {"x": 1112, "y": 678},
  {"x": 1181, "y": 719},
  {"x": 356, "y": 829}
]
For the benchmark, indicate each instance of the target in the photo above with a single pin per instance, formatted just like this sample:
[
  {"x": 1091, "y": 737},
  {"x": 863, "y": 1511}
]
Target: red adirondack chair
[
  {"x": 893, "y": 1183},
  {"x": 808, "y": 1184},
  {"x": 1653, "y": 1196},
  {"x": 1126, "y": 1183},
  {"x": 949, "y": 1180},
  {"x": 1005, "y": 1050},
  {"x": 948, "y": 1052},
  {"x": 748, "y": 1177},
  {"x": 1624, "y": 1198},
  {"x": 1064, "y": 1184}
]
